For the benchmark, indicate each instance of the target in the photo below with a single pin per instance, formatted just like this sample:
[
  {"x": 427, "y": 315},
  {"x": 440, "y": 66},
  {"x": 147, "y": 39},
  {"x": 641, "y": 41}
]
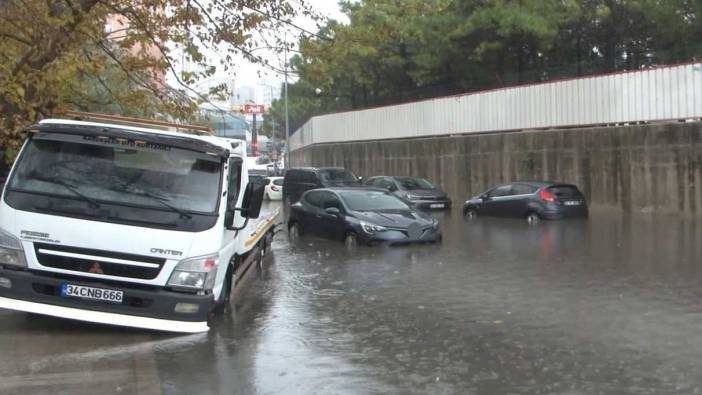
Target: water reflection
[{"x": 609, "y": 305}]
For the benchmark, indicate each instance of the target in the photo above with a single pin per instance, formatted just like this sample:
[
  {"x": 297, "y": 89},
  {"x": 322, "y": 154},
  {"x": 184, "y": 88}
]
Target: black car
[
  {"x": 416, "y": 190},
  {"x": 360, "y": 215},
  {"x": 299, "y": 180},
  {"x": 530, "y": 200}
]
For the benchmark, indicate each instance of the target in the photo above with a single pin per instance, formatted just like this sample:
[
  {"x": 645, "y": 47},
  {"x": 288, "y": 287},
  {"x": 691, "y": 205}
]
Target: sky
[
  {"x": 326, "y": 8},
  {"x": 261, "y": 78}
]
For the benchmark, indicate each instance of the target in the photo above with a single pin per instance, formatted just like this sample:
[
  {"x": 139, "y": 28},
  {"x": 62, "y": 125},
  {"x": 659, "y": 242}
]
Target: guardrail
[{"x": 663, "y": 93}]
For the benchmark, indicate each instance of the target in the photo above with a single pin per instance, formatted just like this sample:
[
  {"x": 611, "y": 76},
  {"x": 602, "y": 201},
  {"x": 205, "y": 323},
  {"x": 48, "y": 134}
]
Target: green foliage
[
  {"x": 401, "y": 50},
  {"x": 55, "y": 55}
]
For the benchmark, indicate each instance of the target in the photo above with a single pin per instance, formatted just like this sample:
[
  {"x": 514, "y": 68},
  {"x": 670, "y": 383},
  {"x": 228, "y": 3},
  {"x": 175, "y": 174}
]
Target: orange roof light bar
[{"x": 137, "y": 121}]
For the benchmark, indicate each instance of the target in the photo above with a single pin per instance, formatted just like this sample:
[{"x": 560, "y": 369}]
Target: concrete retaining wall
[{"x": 647, "y": 168}]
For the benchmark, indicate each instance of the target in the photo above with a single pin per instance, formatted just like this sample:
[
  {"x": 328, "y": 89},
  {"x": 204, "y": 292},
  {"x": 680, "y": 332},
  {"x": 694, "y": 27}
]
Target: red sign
[{"x": 254, "y": 108}]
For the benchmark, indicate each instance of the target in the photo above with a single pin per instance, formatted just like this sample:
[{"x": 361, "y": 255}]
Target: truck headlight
[
  {"x": 195, "y": 274},
  {"x": 11, "y": 251},
  {"x": 372, "y": 228}
]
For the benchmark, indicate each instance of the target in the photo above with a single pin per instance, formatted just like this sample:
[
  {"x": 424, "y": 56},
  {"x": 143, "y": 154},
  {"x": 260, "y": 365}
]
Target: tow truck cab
[{"x": 127, "y": 226}]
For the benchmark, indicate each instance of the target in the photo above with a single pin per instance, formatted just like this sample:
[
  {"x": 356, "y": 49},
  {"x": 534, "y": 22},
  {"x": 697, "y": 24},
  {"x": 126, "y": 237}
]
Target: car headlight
[
  {"x": 413, "y": 197},
  {"x": 11, "y": 251},
  {"x": 372, "y": 228},
  {"x": 195, "y": 274}
]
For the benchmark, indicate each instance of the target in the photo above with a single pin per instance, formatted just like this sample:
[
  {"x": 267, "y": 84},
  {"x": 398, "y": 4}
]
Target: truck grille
[{"x": 98, "y": 262}]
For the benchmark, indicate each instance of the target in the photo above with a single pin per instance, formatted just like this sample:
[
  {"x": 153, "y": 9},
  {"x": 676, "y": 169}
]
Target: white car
[{"x": 274, "y": 188}]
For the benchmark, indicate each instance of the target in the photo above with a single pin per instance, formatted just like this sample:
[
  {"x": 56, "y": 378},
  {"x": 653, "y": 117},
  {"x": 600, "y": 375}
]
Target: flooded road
[{"x": 610, "y": 305}]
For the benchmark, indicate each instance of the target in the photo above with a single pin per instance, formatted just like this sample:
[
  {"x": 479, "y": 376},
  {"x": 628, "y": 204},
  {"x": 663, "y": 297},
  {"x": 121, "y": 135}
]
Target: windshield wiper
[
  {"x": 74, "y": 189},
  {"x": 164, "y": 201}
]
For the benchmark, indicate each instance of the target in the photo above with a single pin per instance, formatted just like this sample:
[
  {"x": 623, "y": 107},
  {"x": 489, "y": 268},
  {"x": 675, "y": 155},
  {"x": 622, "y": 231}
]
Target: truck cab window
[{"x": 234, "y": 181}]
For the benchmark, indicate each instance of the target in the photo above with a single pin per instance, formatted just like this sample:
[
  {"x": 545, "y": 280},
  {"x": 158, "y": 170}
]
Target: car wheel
[
  {"x": 294, "y": 232},
  {"x": 286, "y": 208},
  {"x": 470, "y": 214},
  {"x": 533, "y": 218},
  {"x": 351, "y": 240}
]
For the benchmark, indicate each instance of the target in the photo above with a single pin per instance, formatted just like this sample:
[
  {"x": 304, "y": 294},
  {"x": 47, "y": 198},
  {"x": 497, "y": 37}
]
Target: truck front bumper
[{"x": 142, "y": 307}]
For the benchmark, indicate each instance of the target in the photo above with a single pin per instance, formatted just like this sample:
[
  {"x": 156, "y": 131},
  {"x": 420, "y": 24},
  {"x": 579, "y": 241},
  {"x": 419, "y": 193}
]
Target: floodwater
[{"x": 610, "y": 305}]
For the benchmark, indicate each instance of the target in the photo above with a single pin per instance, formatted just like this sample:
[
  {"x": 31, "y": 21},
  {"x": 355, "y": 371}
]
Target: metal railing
[{"x": 662, "y": 93}]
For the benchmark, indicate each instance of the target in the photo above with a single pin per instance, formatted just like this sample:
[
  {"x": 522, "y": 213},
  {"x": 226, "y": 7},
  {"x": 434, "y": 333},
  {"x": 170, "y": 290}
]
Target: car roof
[
  {"x": 539, "y": 184},
  {"x": 316, "y": 168},
  {"x": 351, "y": 189}
]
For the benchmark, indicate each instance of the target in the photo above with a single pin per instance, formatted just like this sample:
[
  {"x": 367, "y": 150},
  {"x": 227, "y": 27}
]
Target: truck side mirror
[
  {"x": 253, "y": 198},
  {"x": 250, "y": 205}
]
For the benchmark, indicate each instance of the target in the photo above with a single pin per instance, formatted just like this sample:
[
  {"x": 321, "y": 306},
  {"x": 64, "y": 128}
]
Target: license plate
[
  {"x": 79, "y": 291},
  {"x": 437, "y": 205},
  {"x": 572, "y": 203}
]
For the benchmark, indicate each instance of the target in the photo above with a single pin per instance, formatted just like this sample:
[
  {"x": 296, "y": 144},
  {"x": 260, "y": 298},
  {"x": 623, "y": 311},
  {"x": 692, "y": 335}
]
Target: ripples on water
[{"x": 608, "y": 305}]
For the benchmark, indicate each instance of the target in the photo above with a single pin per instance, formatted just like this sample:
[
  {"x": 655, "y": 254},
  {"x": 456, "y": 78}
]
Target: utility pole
[
  {"x": 254, "y": 137},
  {"x": 287, "y": 120}
]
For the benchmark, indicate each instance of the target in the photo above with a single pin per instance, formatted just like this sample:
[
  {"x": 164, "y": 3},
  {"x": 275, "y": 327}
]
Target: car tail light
[
  {"x": 275, "y": 188},
  {"x": 547, "y": 196}
]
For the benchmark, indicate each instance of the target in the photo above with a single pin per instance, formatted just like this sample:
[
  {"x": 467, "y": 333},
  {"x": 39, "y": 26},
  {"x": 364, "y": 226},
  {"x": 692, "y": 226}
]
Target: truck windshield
[{"x": 149, "y": 176}]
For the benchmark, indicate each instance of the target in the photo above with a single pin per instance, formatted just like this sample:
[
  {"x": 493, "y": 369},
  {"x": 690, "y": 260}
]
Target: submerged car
[
  {"x": 533, "y": 201},
  {"x": 419, "y": 191},
  {"x": 360, "y": 216}
]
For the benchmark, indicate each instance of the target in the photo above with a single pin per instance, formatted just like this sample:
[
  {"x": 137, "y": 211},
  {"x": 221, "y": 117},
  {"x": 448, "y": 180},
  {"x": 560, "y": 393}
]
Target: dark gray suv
[
  {"x": 417, "y": 191},
  {"x": 300, "y": 180}
]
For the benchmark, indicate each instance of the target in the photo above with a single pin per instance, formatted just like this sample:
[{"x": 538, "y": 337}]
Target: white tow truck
[{"x": 112, "y": 223}]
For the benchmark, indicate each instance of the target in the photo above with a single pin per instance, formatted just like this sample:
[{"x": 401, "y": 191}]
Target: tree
[
  {"x": 395, "y": 51},
  {"x": 56, "y": 55}
]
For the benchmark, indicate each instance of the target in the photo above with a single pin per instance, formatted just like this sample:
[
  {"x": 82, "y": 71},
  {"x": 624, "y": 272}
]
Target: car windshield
[
  {"x": 144, "y": 176},
  {"x": 337, "y": 175},
  {"x": 372, "y": 201},
  {"x": 414, "y": 183}
]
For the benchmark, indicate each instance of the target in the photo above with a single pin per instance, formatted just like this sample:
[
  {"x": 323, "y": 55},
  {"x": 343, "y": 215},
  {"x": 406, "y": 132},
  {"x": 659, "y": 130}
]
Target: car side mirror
[
  {"x": 484, "y": 197},
  {"x": 333, "y": 211},
  {"x": 360, "y": 180},
  {"x": 392, "y": 188}
]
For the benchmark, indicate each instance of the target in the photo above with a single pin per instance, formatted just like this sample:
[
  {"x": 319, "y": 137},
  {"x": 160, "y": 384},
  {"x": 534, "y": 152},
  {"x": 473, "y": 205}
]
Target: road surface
[{"x": 608, "y": 305}]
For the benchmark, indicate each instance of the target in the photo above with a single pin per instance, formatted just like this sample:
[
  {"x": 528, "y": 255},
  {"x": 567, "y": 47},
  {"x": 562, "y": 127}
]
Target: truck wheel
[{"x": 223, "y": 303}]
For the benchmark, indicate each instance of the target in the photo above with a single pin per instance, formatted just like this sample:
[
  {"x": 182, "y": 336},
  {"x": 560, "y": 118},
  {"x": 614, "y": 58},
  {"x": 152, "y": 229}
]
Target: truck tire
[{"x": 222, "y": 304}]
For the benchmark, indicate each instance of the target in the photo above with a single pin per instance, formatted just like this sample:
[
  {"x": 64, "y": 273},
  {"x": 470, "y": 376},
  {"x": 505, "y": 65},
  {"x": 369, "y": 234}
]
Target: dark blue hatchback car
[{"x": 533, "y": 201}]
